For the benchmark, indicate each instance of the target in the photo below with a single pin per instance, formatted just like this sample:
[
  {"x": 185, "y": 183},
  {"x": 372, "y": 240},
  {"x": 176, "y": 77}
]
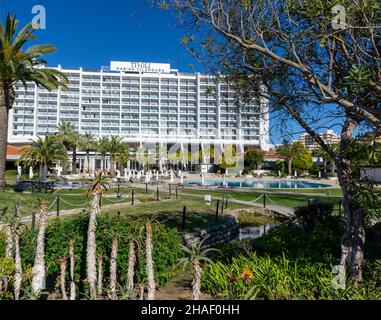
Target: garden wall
[{"x": 215, "y": 235}]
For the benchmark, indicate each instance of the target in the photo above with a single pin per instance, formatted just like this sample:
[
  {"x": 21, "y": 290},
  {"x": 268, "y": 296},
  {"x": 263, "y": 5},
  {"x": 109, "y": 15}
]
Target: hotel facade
[{"x": 142, "y": 103}]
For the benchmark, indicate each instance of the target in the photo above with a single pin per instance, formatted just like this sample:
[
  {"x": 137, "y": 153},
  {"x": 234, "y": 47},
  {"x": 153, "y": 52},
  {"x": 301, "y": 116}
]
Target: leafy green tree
[
  {"x": 42, "y": 153},
  {"x": 291, "y": 151},
  {"x": 313, "y": 62},
  {"x": 327, "y": 157},
  {"x": 253, "y": 157},
  {"x": 18, "y": 64},
  {"x": 303, "y": 160}
]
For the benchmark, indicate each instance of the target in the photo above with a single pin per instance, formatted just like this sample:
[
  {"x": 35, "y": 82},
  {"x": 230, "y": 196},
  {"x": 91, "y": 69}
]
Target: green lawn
[
  {"x": 286, "y": 200},
  {"x": 192, "y": 198}
]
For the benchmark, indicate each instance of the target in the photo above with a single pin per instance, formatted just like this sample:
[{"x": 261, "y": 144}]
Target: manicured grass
[
  {"x": 286, "y": 200},
  {"x": 328, "y": 192},
  {"x": 198, "y": 213}
]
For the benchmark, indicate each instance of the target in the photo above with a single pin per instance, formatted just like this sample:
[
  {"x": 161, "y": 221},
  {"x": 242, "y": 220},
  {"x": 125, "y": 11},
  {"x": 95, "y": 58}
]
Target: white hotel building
[{"x": 143, "y": 103}]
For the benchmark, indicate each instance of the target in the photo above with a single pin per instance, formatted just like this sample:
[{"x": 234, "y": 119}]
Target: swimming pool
[{"x": 260, "y": 184}]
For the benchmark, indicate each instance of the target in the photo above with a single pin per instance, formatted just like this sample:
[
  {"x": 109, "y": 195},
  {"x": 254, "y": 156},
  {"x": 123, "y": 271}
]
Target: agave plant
[
  {"x": 147, "y": 228},
  {"x": 96, "y": 190},
  {"x": 195, "y": 256},
  {"x": 13, "y": 229}
]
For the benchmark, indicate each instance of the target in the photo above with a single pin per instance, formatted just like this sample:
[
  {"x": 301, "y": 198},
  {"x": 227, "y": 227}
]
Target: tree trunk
[
  {"x": 91, "y": 243},
  {"x": 72, "y": 280},
  {"x": 88, "y": 161},
  {"x": 38, "y": 271},
  {"x": 149, "y": 264},
  {"x": 62, "y": 278},
  {"x": 65, "y": 161},
  {"x": 7, "y": 98},
  {"x": 18, "y": 266},
  {"x": 290, "y": 167},
  {"x": 100, "y": 277},
  {"x": 353, "y": 239},
  {"x": 103, "y": 164},
  {"x": 113, "y": 276},
  {"x": 131, "y": 265},
  {"x": 141, "y": 291},
  {"x": 196, "y": 292},
  {"x": 333, "y": 169},
  {"x": 74, "y": 161},
  {"x": 9, "y": 242},
  {"x": 112, "y": 169}
]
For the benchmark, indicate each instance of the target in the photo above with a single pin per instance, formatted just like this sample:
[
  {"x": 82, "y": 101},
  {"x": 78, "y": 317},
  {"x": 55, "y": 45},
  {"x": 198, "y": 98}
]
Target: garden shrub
[
  {"x": 314, "y": 214},
  {"x": 166, "y": 247},
  {"x": 277, "y": 278}
]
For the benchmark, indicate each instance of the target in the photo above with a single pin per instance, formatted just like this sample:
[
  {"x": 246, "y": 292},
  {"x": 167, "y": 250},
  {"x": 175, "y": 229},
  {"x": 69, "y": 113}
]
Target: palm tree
[
  {"x": 290, "y": 151},
  {"x": 114, "y": 148},
  {"x": 96, "y": 189},
  {"x": 88, "y": 143},
  {"x": 18, "y": 64},
  {"x": 195, "y": 256},
  {"x": 123, "y": 157},
  {"x": 43, "y": 152},
  {"x": 102, "y": 148},
  {"x": 38, "y": 270},
  {"x": 75, "y": 144},
  {"x": 69, "y": 137}
]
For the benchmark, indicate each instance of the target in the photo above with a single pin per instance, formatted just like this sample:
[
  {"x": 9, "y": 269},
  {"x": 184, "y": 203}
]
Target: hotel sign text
[{"x": 140, "y": 67}]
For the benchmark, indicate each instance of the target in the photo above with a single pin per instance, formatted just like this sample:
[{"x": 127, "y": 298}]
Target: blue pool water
[{"x": 260, "y": 184}]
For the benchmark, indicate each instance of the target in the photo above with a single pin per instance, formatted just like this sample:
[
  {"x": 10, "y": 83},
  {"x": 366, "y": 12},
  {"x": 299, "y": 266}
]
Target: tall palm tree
[
  {"x": 38, "y": 270},
  {"x": 195, "y": 256},
  {"x": 102, "y": 148},
  {"x": 123, "y": 157},
  {"x": 43, "y": 152},
  {"x": 69, "y": 137},
  {"x": 88, "y": 143},
  {"x": 114, "y": 149},
  {"x": 18, "y": 64},
  {"x": 96, "y": 190},
  {"x": 75, "y": 144}
]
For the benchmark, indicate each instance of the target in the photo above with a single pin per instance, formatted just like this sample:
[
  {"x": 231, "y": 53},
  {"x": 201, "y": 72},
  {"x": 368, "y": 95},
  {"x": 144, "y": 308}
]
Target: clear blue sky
[{"x": 90, "y": 33}]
